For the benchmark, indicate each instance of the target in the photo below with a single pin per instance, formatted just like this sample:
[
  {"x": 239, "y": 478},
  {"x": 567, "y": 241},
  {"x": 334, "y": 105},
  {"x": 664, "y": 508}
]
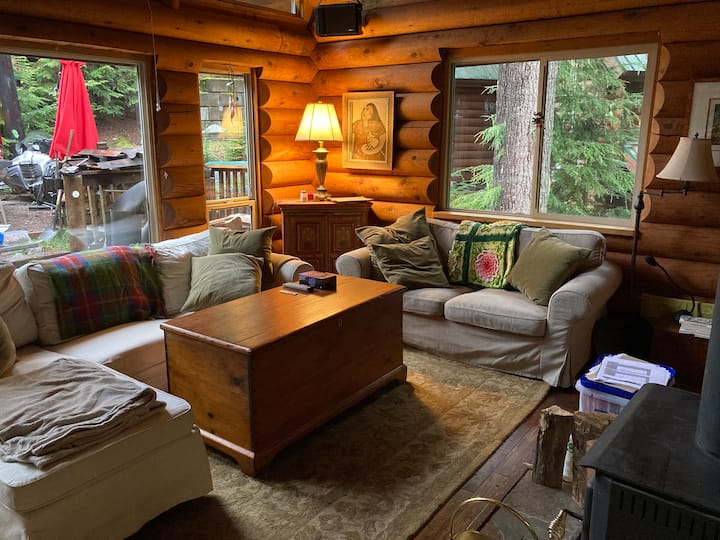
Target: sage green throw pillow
[
  {"x": 404, "y": 230},
  {"x": 415, "y": 264},
  {"x": 545, "y": 265},
  {"x": 257, "y": 242},
  {"x": 7, "y": 349},
  {"x": 220, "y": 278}
]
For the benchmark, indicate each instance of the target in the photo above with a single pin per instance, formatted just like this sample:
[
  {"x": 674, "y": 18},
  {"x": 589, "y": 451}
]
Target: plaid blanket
[
  {"x": 483, "y": 254},
  {"x": 101, "y": 288}
]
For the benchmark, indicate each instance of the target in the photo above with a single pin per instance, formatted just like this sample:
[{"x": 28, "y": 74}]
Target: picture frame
[
  {"x": 368, "y": 123},
  {"x": 705, "y": 115}
]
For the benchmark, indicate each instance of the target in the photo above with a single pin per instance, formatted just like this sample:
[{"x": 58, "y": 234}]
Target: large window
[
  {"x": 74, "y": 170},
  {"x": 227, "y": 148},
  {"x": 553, "y": 138}
]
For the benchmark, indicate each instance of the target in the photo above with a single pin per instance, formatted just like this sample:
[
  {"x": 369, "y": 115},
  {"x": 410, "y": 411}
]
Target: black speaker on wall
[{"x": 338, "y": 19}]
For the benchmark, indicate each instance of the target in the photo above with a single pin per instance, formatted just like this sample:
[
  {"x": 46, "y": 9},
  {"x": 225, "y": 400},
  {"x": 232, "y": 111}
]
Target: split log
[
  {"x": 679, "y": 242},
  {"x": 284, "y": 95},
  {"x": 587, "y": 428},
  {"x": 183, "y": 212},
  {"x": 271, "y": 196},
  {"x": 419, "y": 134},
  {"x": 179, "y": 150},
  {"x": 696, "y": 209},
  {"x": 286, "y": 173},
  {"x": 178, "y": 87},
  {"x": 692, "y": 61},
  {"x": 407, "y": 162},
  {"x": 279, "y": 121},
  {"x": 408, "y": 189},
  {"x": 376, "y": 52},
  {"x": 388, "y": 212},
  {"x": 285, "y": 148},
  {"x": 674, "y": 96},
  {"x": 406, "y": 78},
  {"x": 418, "y": 106},
  {"x": 185, "y": 181},
  {"x": 556, "y": 425},
  {"x": 178, "y": 119}
]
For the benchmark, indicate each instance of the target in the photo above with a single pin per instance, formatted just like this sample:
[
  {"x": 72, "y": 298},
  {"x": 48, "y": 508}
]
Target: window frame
[
  {"x": 547, "y": 52},
  {"x": 146, "y": 103}
]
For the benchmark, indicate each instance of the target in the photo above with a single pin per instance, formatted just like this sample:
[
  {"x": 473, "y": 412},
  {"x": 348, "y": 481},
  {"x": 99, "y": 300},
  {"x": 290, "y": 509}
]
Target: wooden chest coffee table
[{"x": 263, "y": 370}]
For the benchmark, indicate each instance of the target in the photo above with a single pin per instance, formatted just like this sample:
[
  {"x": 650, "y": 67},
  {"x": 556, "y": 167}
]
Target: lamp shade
[
  {"x": 319, "y": 123},
  {"x": 692, "y": 161}
]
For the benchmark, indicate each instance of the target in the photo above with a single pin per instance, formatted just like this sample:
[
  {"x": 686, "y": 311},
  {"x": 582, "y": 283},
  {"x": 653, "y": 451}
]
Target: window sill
[{"x": 456, "y": 215}]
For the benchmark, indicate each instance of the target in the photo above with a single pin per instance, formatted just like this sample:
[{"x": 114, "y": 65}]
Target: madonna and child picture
[{"x": 368, "y": 130}]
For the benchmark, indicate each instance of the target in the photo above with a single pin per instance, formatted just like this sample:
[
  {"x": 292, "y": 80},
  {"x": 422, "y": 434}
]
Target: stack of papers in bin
[
  {"x": 628, "y": 373},
  {"x": 697, "y": 326}
]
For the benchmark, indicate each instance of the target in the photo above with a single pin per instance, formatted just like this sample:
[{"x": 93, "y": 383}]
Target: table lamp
[
  {"x": 320, "y": 123},
  {"x": 692, "y": 161}
]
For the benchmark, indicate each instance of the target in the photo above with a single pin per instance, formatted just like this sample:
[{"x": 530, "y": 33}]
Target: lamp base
[{"x": 321, "y": 194}]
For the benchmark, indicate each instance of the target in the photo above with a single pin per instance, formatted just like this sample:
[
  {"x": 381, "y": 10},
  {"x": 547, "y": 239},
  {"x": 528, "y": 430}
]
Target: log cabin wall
[
  {"x": 399, "y": 50},
  {"x": 184, "y": 41},
  {"x": 681, "y": 232}
]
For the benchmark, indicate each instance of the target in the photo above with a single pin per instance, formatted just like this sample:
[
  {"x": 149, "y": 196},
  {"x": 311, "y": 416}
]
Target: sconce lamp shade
[
  {"x": 692, "y": 161},
  {"x": 319, "y": 123}
]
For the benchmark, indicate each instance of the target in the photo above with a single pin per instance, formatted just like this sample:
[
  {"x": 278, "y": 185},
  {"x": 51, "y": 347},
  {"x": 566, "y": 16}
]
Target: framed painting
[
  {"x": 368, "y": 130},
  {"x": 705, "y": 115}
]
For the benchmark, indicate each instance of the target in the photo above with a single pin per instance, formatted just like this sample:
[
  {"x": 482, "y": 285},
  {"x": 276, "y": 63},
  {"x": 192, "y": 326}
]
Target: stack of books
[{"x": 697, "y": 326}]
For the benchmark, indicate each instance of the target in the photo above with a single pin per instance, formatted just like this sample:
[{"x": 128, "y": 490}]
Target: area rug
[{"x": 378, "y": 471}]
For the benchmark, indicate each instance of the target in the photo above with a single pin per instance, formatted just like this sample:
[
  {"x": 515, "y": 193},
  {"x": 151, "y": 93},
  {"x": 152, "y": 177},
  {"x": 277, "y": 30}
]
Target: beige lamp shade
[
  {"x": 319, "y": 123},
  {"x": 692, "y": 161}
]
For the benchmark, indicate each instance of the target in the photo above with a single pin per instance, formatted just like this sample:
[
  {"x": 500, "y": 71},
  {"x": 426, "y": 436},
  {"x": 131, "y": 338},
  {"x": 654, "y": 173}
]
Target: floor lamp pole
[{"x": 639, "y": 206}]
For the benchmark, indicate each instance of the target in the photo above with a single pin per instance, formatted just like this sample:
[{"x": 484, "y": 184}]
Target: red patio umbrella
[{"x": 74, "y": 123}]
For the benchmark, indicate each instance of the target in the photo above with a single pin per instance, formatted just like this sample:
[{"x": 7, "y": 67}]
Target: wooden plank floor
[{"x": 497, "y": 476}]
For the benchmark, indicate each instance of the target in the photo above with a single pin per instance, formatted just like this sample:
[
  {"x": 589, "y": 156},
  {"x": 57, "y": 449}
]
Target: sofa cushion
[
  {"x": 430, "y": 301},
  {"x": 483, "y": 253},
  {"x": 257, "y": 242},
  {"x": 544, "y": 265},
  {"x": 7, "y": 349},
  {"x": 221, "y": 278},
  {"x": 498, "y": 309},
  {"x": 174, "y": 262},
  {"x": 14, "y": 309},
  {"x": 414, "y": 265},
  {"x": 592, "y": 240},
  {"x": 87, "y": 291}
]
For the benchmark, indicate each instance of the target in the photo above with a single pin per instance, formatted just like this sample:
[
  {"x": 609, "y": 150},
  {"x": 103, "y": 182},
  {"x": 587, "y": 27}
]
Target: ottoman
[{"x": 111, "y": 489}]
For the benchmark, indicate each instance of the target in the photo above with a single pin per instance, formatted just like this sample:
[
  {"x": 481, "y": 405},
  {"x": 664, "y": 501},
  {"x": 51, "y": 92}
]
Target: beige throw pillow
[
  {"x": 545, "y": 265},
  {"x": 220, "y": 278}
]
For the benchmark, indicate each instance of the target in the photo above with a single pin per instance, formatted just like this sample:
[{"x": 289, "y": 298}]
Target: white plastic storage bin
[
  {"x": 598, "y": 397},
  {"x": 593, "y": 400}
]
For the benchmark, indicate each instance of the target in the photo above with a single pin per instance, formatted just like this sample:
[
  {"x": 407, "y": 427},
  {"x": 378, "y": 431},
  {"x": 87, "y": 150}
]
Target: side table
[{"x": 685, "y": 353}]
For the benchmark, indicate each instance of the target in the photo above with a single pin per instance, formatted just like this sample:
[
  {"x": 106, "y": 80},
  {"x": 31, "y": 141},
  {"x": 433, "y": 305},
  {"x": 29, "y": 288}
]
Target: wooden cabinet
[
  {"x": 685, "y": 353},
  {"x": 320, "y": 231}
]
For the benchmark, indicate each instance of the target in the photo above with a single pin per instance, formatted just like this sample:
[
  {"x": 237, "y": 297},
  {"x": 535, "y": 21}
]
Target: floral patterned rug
[{"x": 378, "y": 471}]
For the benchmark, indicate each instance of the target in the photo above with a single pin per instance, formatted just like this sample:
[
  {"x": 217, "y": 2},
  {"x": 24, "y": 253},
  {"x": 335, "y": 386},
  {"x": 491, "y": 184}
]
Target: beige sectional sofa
[
  {"x": 134, "y": 348},
  {"x": 502, "y": 328},
  {"x": 111, "y": 488}
]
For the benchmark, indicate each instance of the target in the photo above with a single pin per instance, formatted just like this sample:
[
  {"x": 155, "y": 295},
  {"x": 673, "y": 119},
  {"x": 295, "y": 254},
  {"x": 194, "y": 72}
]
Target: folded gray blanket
[{"x": 65, "y": 407}]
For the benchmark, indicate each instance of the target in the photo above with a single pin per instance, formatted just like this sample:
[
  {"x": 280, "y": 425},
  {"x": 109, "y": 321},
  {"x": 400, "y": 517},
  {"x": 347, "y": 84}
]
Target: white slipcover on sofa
[
  {"x": 501, "y": 328},
  {"x": 111, "y": 489}
]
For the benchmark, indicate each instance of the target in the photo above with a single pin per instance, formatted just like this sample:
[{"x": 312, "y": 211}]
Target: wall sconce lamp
[
  {"x": 692, "y": 161},
  {"x": 320, "y": 123}
]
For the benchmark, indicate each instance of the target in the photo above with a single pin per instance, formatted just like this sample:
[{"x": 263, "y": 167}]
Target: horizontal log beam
[
  {"x": 408, "y": 78},
  {"x": 418, "y": 134},
  {"x": 284, "y": 95},
  {"x": 185, "y": 23},
  {"x": 179, "y": 150},
  {"x": 178, "y": 119},
  {"x": 286, "y": 173},
  {"x": 410, "y": 189},
  {"x": 284, "y": 148},
  {"x": 279, "y": 121},
  {"x": 418, "y": 106},
  {"x": 183, "y": 212},
  {"x": 185, "y": 181}
]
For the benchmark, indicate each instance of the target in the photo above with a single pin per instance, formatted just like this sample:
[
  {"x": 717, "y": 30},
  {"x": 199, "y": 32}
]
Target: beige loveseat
[{"x": 501, "y": 328}]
